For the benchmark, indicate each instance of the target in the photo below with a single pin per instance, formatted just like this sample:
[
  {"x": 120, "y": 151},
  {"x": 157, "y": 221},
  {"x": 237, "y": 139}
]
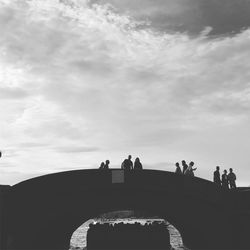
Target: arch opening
[{"x": 78, "y": 239}]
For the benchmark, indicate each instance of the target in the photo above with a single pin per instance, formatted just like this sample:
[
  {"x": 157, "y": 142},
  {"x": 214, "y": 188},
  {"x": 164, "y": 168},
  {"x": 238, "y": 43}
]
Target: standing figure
[
  {"x": 127, "y": 163},
  {"x": 224, "y": 180},
  {"x": 184, "y": 166},
  {"x": 137, "y": 164},
  {"x": 190, "y": 170},
  {"x": 106, "y": 165},
  {"x": 178, "y": 169},
  {"x": 102, "y": 165},
  {"x": 217, "y": 179},
  {"x": 231, "y": 179}
]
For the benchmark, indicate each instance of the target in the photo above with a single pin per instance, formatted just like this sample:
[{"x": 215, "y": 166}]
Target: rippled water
[{"x": 78, "y": 240}]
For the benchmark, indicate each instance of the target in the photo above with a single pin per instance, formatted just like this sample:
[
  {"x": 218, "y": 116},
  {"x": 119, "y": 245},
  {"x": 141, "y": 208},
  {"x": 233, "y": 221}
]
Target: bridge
[{"x": 43, "y": 212}]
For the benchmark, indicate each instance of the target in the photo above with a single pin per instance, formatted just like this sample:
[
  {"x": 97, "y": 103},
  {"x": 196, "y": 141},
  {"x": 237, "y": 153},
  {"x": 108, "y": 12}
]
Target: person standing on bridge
[
  {"x": 102, "y": 165},
  {"x": 224, "y": 180},
  {"x": 127, "y": 163},
  {"x": 184, "y": 166},
  {"x": 106, "y": 165},
  {"x": 190, "y": 170},
  {"x": 217, "y": 179},
  {"x": 178, "y": 169},
  {"x": 231, "y": 179},
  {"x": 137, "y": 164}
]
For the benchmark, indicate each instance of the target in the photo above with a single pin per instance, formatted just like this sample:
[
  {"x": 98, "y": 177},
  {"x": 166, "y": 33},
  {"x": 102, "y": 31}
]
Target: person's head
[
  {"x": 129, "y": 157},
  {"x": 137, "y": 159},
  {"x": 177, "y": 164},
  {"x": 107, "y": 162},
  {"x": 191, "y": 163},
  {"x": 225, "y": 171},
  {"x": 183, "y": 162},
  {"x": 218, "y": 168},
  {"x": 102, "y": 164},
  {"x": 230, "y": 170}
]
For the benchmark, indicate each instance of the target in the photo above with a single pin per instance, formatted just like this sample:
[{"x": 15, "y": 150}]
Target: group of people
[
  {"x": 104, "y": 165},
  {"x": 127, "y": 164},
  {"x": 226, "y": 180},
  {"x": 187, "y": 169}
]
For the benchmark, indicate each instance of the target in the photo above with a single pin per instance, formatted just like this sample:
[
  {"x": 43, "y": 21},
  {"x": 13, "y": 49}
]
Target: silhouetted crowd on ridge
[
  {"x": 127, "y": 164},
  {"x": 187, "y": 169},
  {"x": 226, "y": 180}
]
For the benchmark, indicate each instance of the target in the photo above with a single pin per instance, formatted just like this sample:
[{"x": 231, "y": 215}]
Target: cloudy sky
[{"x": 82, "y": 81}]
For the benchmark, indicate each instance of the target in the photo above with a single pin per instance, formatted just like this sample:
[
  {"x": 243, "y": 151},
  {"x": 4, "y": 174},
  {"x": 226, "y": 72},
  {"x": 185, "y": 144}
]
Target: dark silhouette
[
  {"x": 184, "y": 166},
  {"x": 128, "y": 236},
  {"x": 231, "y": 179},
  {"x": 217, "y": 179},
  {"x": 178, "y": 169},
  {"x": 190, "y": 170},
  {"x": 137, "y": 164},
  {"x": 127, "y": 163},
  {"x": 106, "y": 165},
  {"x": 102, "y": 165},
  {"x": 0, "y": 154},
  {"x": 38, "y": 213},
  {"x": 224, "y": 180}
]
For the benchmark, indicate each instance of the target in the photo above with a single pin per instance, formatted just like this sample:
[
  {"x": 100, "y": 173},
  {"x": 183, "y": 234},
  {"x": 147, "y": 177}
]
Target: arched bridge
[{"x": 43, "y": 212}]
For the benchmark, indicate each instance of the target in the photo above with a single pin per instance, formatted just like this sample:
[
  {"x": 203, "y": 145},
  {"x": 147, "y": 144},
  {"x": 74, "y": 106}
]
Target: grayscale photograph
[{"x": 125, "y": 124}]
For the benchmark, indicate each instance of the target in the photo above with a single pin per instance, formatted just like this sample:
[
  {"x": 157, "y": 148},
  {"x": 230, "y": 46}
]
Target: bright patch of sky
[{"x": 83, "y": 81}]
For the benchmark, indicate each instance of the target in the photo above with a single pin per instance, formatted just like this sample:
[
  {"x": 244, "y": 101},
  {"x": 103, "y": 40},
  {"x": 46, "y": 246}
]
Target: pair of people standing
[
  {"x": 226, "y": 180},
  {"x": 127, "y": 164},
  {"x": 105, "y": 165},
  {"x": 186, "y": 169}
]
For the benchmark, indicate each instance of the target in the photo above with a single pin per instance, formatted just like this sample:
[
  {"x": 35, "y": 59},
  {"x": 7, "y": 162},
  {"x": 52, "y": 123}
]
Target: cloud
[
  {"x": 10, "y": 93},
  {"x": 74, "y": 149},
  {"x": 225, "y": 17},
  {"x": 32, "y": 145},
  {"x": 78, "y": 74}
]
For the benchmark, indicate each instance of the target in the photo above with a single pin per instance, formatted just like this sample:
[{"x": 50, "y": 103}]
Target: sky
[{"x": 82, "y": 81}]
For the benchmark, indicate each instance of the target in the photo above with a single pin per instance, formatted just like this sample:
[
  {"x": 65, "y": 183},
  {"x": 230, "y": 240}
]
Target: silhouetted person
[
  {"x": 137, "y": 164},
  {"x": 190, "y": 170},
  {"x": 102, "y": 165},
  {"x": 231, "y": 179},
  {"x": 127, "y": 163},
  {"x": 224, "y": 180},
  {"x": 178, "y": 169},
  {"x": 217, "y": 179},
  {"x": 0, "y": 154},
  {"x": 106, "y": 165},
  {"x": 184, "y": 166}
]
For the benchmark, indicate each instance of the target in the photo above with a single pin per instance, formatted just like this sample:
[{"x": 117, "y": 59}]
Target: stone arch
[{"x": 45, "y": 211}]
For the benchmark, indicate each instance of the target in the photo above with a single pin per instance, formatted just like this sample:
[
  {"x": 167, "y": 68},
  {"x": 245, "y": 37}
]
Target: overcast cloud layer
[
  {"x": 224, "y": 17},
  {"x": 81, "y": 82}
]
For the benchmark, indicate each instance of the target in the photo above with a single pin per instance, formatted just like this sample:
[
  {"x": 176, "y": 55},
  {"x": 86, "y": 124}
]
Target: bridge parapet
[{"x": 169, "y": 182}]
